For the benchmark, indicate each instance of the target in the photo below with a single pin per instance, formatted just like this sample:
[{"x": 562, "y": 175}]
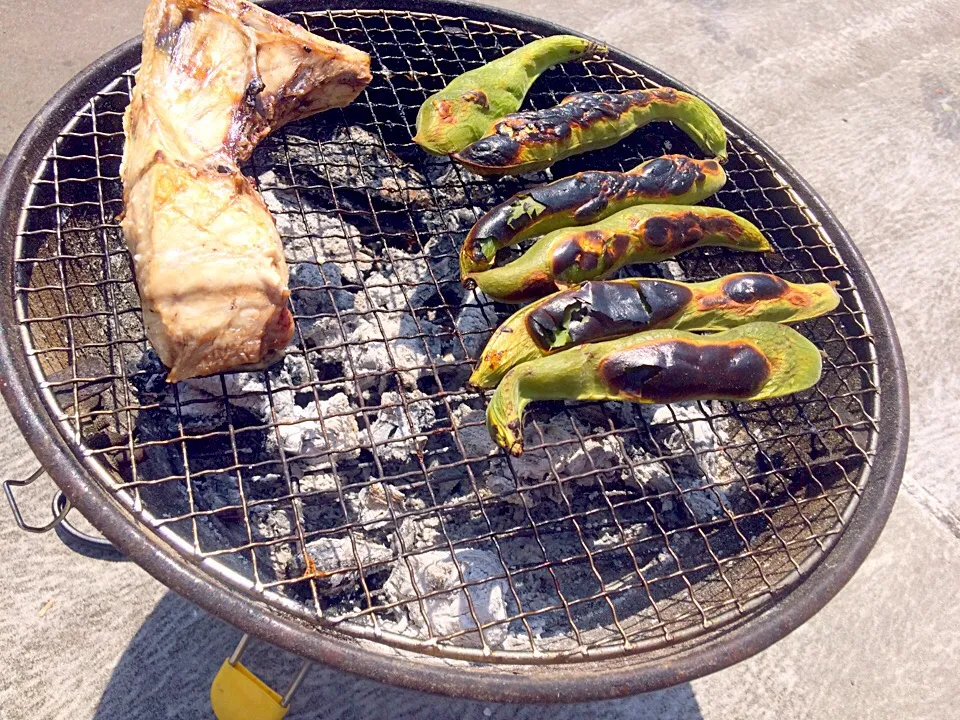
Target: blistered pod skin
[
  {"x": 463, "y": 111},
  {"x": 531, "y": 141},
  {"x": 752, "y": 362},
  {"x": 597, "y": 311},
  {"x": 585, "y": 198},
  {"x": 641, "y": 234}
]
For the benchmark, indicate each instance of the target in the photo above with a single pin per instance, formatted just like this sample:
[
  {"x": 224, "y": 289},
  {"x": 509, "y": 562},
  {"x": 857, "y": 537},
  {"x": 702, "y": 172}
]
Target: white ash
[
  {"x": 380, "y": 293},
  {"x": 398, "y": 433},
  {"x": 372, "y": 505},
  {"x": 449, "y": 612},
  {"x": 335, "y": 559}
]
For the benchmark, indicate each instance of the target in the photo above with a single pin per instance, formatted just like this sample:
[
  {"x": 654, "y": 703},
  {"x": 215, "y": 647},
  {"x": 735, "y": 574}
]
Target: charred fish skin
[
  {"x": 531, "y": 141},
  {"x": 461, "y": 113},
  {"x": 756, "y": 361},
  {"x": 597, "y": 311},
  {"x": 216, "y": 76},
  {"x": 585, "y": 198},
  {"x": 641, "y": 234}
]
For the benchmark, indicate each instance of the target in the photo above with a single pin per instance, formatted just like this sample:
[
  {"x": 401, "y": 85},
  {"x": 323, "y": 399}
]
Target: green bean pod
[
  {"x": 600, "y": 310},
  {"x": 641, "y": 234},
  {"x": 752, "y": 362},
  {"x": 530, "y": 141},
  {"x": 585, "y": 198},
  {"x": 463, "y": 111}
]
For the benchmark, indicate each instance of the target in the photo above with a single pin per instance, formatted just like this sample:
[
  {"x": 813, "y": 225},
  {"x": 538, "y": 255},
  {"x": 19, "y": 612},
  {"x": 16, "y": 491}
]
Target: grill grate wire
[{"x": 591, "y": 560}]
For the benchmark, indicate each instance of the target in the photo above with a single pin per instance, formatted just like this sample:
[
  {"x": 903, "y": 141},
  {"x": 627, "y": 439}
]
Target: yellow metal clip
[{"x": 238, "y": 694}]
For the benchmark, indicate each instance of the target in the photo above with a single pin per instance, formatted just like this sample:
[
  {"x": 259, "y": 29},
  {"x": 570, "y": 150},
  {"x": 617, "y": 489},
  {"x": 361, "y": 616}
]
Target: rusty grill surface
[{"x": 353, "y": 486}]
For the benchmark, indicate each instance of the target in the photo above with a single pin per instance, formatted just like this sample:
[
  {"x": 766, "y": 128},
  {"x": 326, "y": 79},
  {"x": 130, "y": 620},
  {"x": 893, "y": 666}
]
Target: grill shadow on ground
[{"x": 166, "y": 672}]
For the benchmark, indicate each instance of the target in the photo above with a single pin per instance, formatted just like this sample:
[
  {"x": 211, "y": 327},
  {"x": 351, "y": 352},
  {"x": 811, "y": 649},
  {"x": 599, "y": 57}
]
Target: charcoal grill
[{"x": 608, "y": 583}]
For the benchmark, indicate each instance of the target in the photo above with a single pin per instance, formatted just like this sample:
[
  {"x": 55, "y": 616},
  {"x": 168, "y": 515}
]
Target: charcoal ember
[
  {"x": 335, "y": 561},
  {"x": 316, "y": 289},
  {"x": 471, "y": 427},
  {"x": 448, "y": 613},
  {"x": 565, "y": 452},
  {"x": 475, "y": 322},
  {"x": 404, "y": 344},
  {"x": 456, "y": 185},
  {"x": 316, "y": 481},
  {"x": 417, "y": 534},
  {"x": 318, "y": 238},
  {"x": 672, "y": 270},
  {"x": 217, "y": 491},
  {"x": 310, "y": 441},
  {"x": 356, "y": 158},
  {"x": 708, "y": 479},
  {"x": 271, "y": 523},
  {"x": 398, "y": 433},
  {"x": 449, "y": 223},
  {"x": 373, "y": 503}
]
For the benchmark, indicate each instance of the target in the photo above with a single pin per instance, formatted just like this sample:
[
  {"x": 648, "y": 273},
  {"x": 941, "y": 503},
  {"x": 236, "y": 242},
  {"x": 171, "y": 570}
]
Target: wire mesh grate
[{"x": 354, "y": 484}]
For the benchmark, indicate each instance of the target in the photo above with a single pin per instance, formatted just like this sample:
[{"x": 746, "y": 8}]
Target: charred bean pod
[
  {"x": 598, "y": 311},
  {"x": 752, "y": 362},
  {"x": 585, "y": 198},
  {"x": 641, "y": 234},
  {"x": 535, "y": 140},
  {"x": 464, "y": 110}
]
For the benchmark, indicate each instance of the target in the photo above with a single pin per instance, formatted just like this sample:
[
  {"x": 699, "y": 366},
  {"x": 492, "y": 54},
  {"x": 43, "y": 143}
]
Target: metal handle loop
[{"x": 8, "y": 486}]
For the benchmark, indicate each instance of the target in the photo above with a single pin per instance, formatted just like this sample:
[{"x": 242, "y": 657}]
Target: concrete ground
[{"x": 863, "y": 98}]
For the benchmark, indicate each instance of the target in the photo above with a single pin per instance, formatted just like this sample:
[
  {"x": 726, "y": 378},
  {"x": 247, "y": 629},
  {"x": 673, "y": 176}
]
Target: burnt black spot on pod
[
  {"x": 751, "y": 287},
  {"x": 565, "y": 256},
  {"x": 604, "y": 310},
  {"x": 666, "y": 176},
  {"x": 492, "y": 151},
  {"x": 664, "y": 299},
  {"x": 569, "y": 193},
  {"x": 677, "y": 370}
]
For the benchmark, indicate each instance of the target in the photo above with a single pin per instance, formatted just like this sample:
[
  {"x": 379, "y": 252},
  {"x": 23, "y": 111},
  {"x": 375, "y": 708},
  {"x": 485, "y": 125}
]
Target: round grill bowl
[{"x": 650, "y": 589}]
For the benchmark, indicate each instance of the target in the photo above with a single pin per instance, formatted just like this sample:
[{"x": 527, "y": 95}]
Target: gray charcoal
[
  {"x": 306, "y": 436},
  {"x": 475, "y": 321},
  {"x": 316, "y": 289},
  {"x": 472, "y": 431},
  {"x": 356, "y": 158},
  {"x": 270, "y": 523},
  {"x": 320, "y": 238},
  {"x": 417, "y": 533},
  {"x": 335, "y": 558},
  {"x": 317, "y": 481},
  {"x": 411, "y": 355},
  {"x": 393, "y": 423},
  {"x": 449, "y": 612},
  {"x": 372, "y": 508}
]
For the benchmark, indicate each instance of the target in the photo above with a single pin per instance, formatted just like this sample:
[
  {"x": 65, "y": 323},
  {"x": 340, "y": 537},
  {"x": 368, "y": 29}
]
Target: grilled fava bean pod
[
  {"x": 464, "y": 110},
  {"x": 530, "y": 141},
  {"x": 585, "y": 198},
  {"x": 598, "y": 311},
  {"x": 752, "y": 362},
  {"x": 641, "y": 234}
]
